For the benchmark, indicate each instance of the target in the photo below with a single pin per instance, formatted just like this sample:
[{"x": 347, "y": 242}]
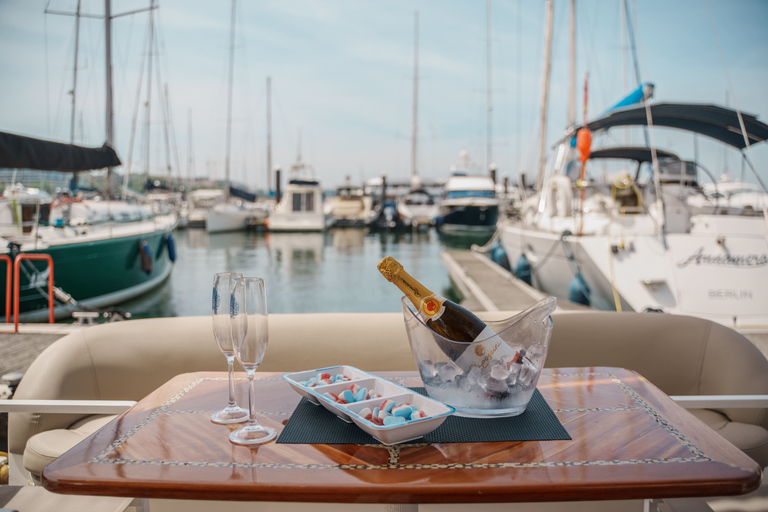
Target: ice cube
[
  {"x": 435, "y": 382},
  {"x": 492, "y": 385},
  {"x": 537, "y": 354},
  {"x": 427, "y": 370},
  {"x": 447, "y": 372},
  {"x": 462, "y": 382},
  {"x": 474, "y": 375},
  {"x": 499, "y": 371},
  {"x": 528, "y": 373},
  {"x": 514, "y": 373}
]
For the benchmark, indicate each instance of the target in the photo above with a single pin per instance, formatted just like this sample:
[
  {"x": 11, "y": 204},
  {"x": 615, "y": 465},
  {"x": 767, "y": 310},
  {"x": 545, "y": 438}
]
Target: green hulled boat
[{"x": 104, "y": 251}]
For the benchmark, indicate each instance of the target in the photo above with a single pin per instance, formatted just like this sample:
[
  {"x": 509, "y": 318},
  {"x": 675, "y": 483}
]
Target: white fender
[{"x": 559, "y": 196}]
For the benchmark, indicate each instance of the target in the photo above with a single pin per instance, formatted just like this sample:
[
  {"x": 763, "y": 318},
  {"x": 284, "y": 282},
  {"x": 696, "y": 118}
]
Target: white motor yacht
[{"x": 301, "y": 206}]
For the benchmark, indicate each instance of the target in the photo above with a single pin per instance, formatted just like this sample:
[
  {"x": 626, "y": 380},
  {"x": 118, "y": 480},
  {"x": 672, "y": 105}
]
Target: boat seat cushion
[
  {"x": 45, "y": 447},
  {"x": 751, "y": 439}
]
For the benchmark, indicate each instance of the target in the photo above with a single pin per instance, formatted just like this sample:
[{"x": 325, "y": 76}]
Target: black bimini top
[
  {"x": 19, "y": 152},
  {"x": 639, "y": 154},
  {"x": 717, "y": 122}
]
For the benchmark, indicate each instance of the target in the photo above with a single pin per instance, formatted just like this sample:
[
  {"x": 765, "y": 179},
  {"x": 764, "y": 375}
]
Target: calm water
[{"x": 305, "y": 272}]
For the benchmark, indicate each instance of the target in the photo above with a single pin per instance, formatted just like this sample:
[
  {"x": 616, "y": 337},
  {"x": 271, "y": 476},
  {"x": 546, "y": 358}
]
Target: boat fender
[
  {"x": 523, "y": 269},
  {"x": 171, "y": 248},
  {"x": 145, "y": 253},
  {"x": 499, "y": 256},
  {"x": 559, "y": 198},
  {"x": 578, "y": 291}
]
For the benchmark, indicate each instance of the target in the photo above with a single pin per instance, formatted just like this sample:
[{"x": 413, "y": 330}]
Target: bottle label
[
  {"x": 481, "y": 354},
  {"x": 431, "y": 307}
]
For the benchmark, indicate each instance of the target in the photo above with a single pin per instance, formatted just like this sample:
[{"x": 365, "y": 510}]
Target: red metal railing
[
  {"x": 8, "y": 271},
  {"x": 16, "y": 268}
]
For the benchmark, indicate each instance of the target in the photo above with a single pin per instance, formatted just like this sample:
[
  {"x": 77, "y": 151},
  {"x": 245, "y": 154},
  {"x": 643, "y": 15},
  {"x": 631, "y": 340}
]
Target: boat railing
[{"x": 16, "y": 285}]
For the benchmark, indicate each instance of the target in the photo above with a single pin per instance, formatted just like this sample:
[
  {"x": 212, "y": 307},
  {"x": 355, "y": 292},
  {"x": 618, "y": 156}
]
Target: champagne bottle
[{"x": 449, "y": 320}]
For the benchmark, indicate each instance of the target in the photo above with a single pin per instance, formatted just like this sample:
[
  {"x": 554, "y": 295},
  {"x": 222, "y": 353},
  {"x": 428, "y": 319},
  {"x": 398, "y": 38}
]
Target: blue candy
[{"x": 393, "y": 420}]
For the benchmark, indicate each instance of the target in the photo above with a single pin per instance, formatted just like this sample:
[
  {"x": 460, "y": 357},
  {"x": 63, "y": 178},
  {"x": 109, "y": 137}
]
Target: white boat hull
[
  {"x": 721, "y": 275},
  {"x": 228, "y": 218},
  {"x": 296, "y": 222}
]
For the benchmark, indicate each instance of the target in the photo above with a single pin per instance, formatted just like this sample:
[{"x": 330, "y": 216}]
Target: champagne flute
[
  {"x": 249, "y": 330},
  {"x": 222, "y": 331}
]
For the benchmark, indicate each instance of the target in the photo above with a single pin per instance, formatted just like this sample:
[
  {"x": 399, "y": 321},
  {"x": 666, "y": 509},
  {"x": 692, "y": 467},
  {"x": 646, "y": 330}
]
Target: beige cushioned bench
[{"x": 128, "y": 360}]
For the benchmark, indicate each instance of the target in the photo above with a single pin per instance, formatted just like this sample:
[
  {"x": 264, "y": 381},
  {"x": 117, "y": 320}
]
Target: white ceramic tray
[{"x": 435, "y": 412}]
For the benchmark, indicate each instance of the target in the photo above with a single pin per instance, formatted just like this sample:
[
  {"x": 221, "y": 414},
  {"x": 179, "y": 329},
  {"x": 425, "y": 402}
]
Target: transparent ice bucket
[{"x": 505, "y": 367}]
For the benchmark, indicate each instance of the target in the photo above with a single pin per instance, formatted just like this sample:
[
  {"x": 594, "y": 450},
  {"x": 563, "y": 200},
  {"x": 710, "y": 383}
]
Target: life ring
[{"x": 559, "y": 196}]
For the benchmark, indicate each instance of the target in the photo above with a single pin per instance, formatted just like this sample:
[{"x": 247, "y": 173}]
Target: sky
[{"x": 342, "y": 80}]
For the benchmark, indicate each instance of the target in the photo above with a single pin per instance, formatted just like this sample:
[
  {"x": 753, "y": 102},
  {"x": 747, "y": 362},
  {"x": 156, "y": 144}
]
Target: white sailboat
[
  {"x": 649, "y": 240},
  {"x": 643, "y": 239},
  {"x": 232, "y": 214}
]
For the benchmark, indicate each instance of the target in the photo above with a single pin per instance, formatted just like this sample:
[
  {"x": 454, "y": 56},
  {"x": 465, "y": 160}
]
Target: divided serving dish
[{"x": 435, "y": 412}]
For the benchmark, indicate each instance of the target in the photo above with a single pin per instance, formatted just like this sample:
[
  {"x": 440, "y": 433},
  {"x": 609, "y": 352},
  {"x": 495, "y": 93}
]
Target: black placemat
[{"x": 314, "y": 424}]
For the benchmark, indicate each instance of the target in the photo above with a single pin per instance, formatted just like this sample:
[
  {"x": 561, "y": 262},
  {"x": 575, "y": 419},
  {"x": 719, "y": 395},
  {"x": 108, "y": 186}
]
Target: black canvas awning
[
  {"x": 242, "y": 194},
  {"x": 639, "y": 154},
  {"x": 19, "y": 152},
  {"x": 717, "y": 122}
]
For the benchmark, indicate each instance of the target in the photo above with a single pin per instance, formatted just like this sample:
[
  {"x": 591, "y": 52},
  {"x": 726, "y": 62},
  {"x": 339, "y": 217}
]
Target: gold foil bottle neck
[{"x": 389, "y": 267}]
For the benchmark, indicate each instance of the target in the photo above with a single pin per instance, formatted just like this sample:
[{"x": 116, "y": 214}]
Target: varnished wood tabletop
[{"x": 630, "y": 441}]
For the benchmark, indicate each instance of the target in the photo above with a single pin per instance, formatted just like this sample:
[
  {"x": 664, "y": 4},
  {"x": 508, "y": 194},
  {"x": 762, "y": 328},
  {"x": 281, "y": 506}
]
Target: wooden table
[{"x": 630, "y": 441}]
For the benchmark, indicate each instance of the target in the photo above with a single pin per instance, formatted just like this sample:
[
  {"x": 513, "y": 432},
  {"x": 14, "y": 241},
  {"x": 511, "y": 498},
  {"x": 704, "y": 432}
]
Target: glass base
[
  {"x": 230, "y": 415},
  {"x": 252, "y": 435}
]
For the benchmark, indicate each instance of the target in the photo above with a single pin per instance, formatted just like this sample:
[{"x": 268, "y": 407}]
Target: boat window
[
  {"x": 310, "y": 202},
  {"x": 297, "y": 202},
  {"x": 458, "y": 194}
]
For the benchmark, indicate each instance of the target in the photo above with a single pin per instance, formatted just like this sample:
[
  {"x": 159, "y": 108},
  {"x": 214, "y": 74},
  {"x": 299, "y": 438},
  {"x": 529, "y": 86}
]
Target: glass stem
[
  {"x": 251, "y": 400},
  {"x": 231, "y": 370}
]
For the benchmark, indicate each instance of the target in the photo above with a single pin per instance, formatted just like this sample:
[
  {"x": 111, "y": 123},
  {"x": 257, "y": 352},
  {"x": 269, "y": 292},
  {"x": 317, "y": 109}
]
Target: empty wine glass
[
  {"x": 249, "y": 329},
  {"x": 222, "y": 331}
]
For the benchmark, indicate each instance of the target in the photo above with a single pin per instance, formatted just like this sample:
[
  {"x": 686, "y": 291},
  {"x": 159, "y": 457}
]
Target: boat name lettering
[
  {"x": 731, "y": 260},
  {"x": 719, "y": 294}
]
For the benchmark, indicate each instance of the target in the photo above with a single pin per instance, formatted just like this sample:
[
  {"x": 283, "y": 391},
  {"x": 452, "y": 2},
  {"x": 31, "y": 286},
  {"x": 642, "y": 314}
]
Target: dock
[
  {"x": 18, "y": 350},
  {"x": 487, "y": 286}
]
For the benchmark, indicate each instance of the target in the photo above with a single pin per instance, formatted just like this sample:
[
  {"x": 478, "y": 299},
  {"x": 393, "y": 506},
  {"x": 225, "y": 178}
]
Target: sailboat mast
[
  {"x": 74, "y": 74},
  {"x": 572, "y": 68},
  {"x": 109, "y": 109},
  {"x": 489, "y": 98},
  {"x": 269, "y": 134},
  {"x": 189, "y": 145},
  {"x": 229, "y": 95},
  {"x": 545, "y": 92},
  {"x": 149, "y": 83},
  {"x": 415, "y": 127}
]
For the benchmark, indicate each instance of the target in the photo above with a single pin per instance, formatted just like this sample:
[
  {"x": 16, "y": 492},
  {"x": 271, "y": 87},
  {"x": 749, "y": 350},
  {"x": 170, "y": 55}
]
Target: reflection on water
[{"x": 333, "y": 271}]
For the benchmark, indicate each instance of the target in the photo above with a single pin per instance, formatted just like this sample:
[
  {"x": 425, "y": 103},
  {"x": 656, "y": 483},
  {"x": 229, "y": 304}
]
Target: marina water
[{"x": 332, "y": 271}]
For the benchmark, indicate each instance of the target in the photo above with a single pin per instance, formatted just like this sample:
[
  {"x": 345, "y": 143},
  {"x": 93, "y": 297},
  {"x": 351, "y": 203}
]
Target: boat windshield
[{"x": 459, "y": 194}]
